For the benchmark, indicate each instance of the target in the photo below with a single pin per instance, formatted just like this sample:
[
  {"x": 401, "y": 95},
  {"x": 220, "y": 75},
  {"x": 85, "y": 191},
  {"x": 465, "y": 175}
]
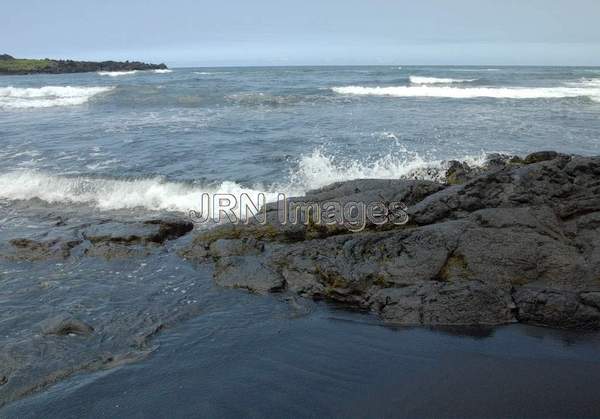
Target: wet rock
[
  {"x": 168, "y": 229},
  {"x": 540, "y": 156},
  {"x": 152, "y": 231},
  {"x": 64, "y": 325},
  {"x": 36, "y": 250},
  {"x": 109, "y": 239},
  {"x": 513, "y": 243},
  {"x": 555, "y": 307},
  {"x": 458, "y": 172}
]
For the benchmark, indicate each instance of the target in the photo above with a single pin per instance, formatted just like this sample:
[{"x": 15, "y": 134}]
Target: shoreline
[
  {"x": 513, "y": 241},
  {"x": 10, "y": 66}
]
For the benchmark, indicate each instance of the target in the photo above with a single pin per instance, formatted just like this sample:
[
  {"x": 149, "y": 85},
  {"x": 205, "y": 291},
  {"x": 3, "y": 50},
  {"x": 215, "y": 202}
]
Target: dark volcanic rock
[
  {"x": 106, "y": 238},
  {"x": 515, "y": 242},
  {"x": 540, "y": 156},
  {"x": 151, "y": 231},
  {"x": 64, "y": 324},
  {"x": 34, "y": 250}
]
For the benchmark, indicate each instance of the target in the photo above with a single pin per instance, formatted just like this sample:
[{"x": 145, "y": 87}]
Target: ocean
[
  {"x": 157, "y": 140},
  {"x": 97, "y": 150}
]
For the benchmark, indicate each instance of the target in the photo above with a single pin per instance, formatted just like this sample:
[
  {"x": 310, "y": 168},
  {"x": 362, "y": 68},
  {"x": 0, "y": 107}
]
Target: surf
[
  {"x": 437, "y": 80},
  {"x": 47, "y": 96},
  {"x": 471, "y": 92}
]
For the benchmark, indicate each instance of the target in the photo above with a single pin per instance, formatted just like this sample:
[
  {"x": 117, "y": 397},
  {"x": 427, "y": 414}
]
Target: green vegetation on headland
[{"x": 12, "y": 66}]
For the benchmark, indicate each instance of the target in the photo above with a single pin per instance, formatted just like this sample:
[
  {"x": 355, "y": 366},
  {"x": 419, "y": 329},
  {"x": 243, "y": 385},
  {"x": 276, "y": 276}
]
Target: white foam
[
  {"x": 472, "y": 92},
  {"x": 210, "y": 73},
  {"x": 116, "y": 73},
  {"x": 318, "y": 169},
  {"x": 313, "y": 171},
  {"x": 586, "y": 83},
  {"x": 47, "y": 96},
  {"x": 131, "y": 72},
  {"x": 153, "y": 194},
  {"x": 437, "y": 80}
]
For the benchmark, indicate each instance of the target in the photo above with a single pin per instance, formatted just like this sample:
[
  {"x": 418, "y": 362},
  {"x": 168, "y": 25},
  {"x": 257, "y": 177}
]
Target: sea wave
[
  {"x": 265, "y": 99},
  {"x": 472, "y": 92},
  {"x": 319, "y": 169},
  {"x": 437, "y": 80},
  {"x": 47, "y": 96},
  {"x": 116, "y": 73},
  {"x": 155, "y": 194},
  {"x": 586, "y": 82},
  {"x": 210, "y": 73},
  {"x": 311, "y": 171},
  {"x": 131, "y": 72}
]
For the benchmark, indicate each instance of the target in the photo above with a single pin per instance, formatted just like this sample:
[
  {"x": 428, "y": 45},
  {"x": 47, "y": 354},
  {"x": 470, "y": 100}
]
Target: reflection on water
[{"x": 254, "y": 359}]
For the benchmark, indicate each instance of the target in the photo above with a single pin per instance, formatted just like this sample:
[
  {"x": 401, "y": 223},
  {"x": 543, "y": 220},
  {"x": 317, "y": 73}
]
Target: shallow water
[{"x": 255, "y": 361}]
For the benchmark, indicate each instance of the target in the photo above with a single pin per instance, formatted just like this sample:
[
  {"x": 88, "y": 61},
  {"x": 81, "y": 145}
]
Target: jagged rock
[{"x": 517, "y": 242}]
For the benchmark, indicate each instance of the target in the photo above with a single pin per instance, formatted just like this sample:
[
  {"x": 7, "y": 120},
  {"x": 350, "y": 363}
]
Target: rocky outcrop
[
  {"x": 108, "y": 239},
  {"x": 516, "y": 241}
]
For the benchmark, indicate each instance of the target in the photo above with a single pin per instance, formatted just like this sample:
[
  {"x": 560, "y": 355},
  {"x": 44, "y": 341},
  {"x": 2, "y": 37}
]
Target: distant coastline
[{"x": 19, "y": 66}]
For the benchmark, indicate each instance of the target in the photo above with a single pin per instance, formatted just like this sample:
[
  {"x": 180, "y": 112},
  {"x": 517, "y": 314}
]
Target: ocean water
[
  {"x": 157, "y": 140},
  {"x": 81, "y": 149}
]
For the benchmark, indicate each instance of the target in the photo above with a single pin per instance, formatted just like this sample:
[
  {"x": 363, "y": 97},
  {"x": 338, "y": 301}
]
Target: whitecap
[
  {"x": 47, "y": 96},
  {"x": 471, "y": 92},
  {"x": 312, "y": 171},
  {"x": 319, "y": 169},
  {"x": 116, "y": 73},
  {"x": 154, "y": 194},
  {"x": 437, "y": 80}
]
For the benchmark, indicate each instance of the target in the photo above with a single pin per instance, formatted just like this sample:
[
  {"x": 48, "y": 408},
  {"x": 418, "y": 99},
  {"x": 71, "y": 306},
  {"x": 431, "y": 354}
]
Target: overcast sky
[{"x": 283, "y": 32}]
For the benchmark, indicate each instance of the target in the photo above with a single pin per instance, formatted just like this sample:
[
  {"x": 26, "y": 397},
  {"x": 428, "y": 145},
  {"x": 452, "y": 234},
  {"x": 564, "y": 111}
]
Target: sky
[{"x": 306, "y": 32}]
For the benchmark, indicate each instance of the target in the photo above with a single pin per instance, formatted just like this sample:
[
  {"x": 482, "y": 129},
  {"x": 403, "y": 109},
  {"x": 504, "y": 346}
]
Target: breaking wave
[
  {"x": 319, "y": 169},
  {"x": 473, "y": 92},
  {"x": 153, "y": 194},
  {"x": 594, "y": 83},
  {"x": 116, "y": 73},
  {"x": 47, "y": 96},
  {"x": 437, "y": 80},
  {"x": 128, "y": 73},
  {"x": 312, "y": 171}
]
